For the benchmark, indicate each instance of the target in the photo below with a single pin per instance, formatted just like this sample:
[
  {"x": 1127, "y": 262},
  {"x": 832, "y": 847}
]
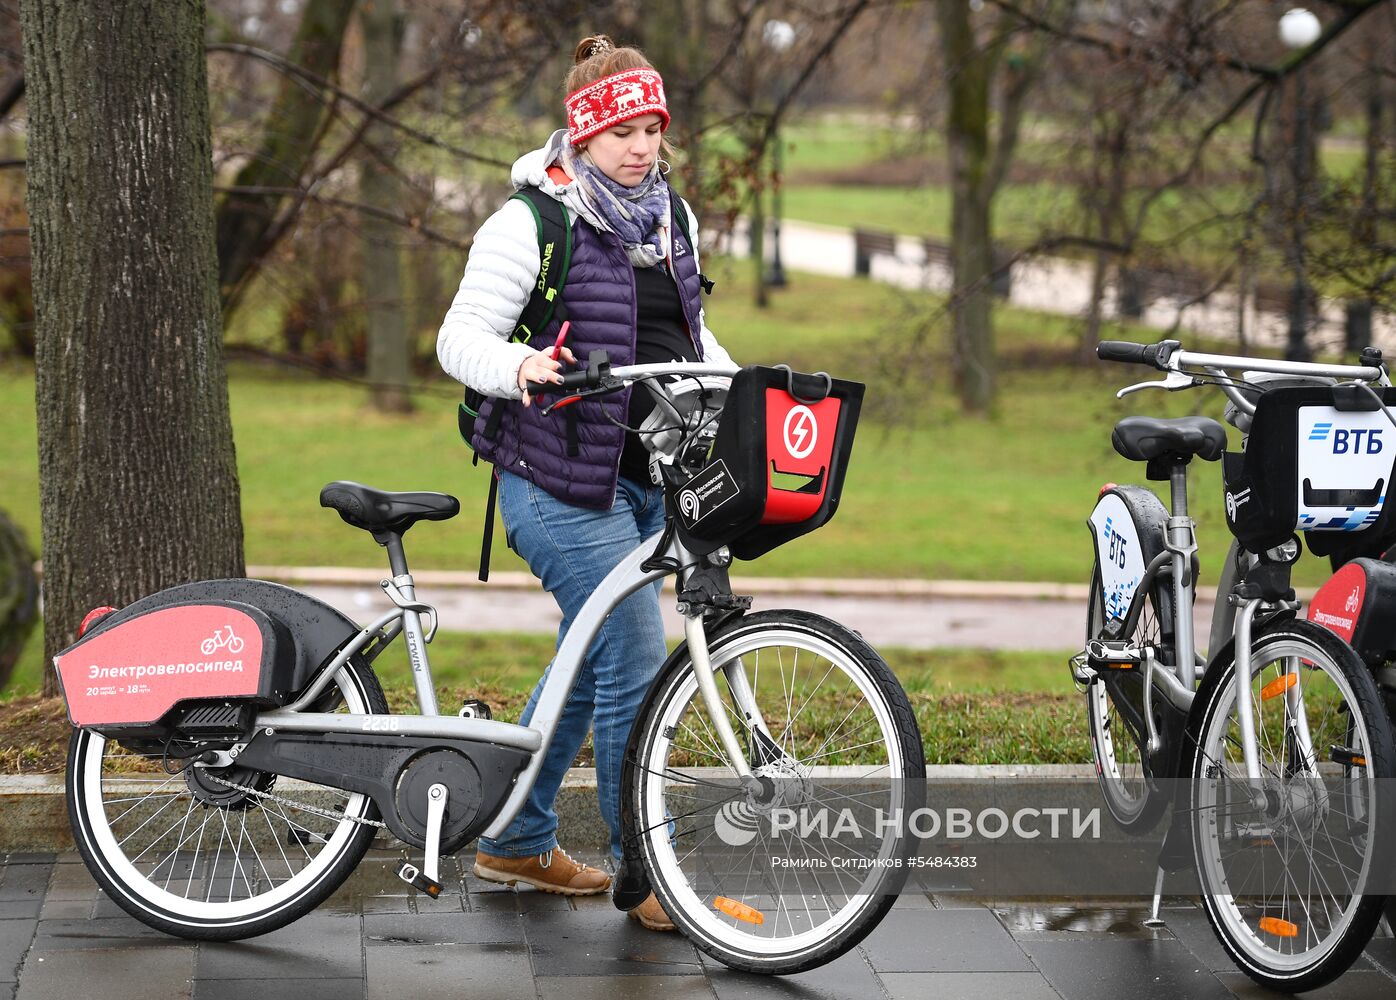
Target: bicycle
[
  {"x": 1275, "y": 750},
  {"x": 219, "y": 799}
]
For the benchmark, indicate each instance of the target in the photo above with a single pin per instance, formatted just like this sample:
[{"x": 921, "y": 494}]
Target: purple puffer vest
[{"x": 600, "y": 297}]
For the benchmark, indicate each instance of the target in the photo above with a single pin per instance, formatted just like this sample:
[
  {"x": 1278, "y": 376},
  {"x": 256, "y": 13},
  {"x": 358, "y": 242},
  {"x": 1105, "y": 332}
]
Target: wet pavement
[{"x": 61, "y": 937}]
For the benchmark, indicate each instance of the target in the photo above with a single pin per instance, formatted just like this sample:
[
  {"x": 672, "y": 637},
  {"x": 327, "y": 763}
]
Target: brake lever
[
  {"x": 1174, "y": 381},
  {"x": 576, "y": 396}
]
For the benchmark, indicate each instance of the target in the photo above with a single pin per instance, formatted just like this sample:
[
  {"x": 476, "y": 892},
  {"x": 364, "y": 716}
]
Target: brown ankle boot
[
  {"x": 551, "y": 871},
  {"x": 651, "y": 915}
]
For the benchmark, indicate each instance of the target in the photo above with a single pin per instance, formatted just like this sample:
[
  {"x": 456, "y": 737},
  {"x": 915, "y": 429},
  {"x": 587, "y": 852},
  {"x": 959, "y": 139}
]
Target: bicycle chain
[{"x": 314, "y": 810}]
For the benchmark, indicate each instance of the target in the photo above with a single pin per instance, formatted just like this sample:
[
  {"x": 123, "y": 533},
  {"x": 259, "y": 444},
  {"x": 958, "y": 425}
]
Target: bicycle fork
[{"x": 742, "y": 695}]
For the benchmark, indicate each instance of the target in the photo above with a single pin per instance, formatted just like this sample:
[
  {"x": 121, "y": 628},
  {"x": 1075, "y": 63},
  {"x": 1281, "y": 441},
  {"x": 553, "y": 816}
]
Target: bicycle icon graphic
[{"x": 219, "y": 640}]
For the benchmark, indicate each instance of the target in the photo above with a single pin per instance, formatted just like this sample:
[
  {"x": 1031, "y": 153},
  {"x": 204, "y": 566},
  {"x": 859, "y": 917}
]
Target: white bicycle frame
[
  {"x": 625, "y": 579},
  {"x": 1177, "y": 682}
]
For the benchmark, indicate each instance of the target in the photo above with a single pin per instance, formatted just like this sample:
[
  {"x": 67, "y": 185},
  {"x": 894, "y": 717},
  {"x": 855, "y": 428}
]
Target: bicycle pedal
[
  {"x": 418, "y": 880},
  {"x": 474, "y": 708},
  {"x": 1112, "y": 654}
]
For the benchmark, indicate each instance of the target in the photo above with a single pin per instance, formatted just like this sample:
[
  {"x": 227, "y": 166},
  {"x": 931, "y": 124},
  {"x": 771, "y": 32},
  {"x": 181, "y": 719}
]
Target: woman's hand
[{"x": 541, "y": 367}]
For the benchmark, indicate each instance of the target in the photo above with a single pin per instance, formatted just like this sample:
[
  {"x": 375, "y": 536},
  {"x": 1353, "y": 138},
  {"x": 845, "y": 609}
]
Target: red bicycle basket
[{"x": 777, "y": 465}]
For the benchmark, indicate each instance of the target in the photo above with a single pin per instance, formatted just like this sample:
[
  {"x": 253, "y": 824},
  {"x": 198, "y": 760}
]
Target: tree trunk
[
  {"x": 967, "y": 132},
  {"x": 19, "y": 596},
  {"x": 289, "y": 138},
  {"x": 138, "y": 486},
  {"x": 388, "y": 357},
  {"x": 1085, "y": 351}
]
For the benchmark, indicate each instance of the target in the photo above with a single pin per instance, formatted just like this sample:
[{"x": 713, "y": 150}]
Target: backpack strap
[
  {"x": 681, "y": 219},
  {"x": 554, "y": 259},
  {"x": 544, "y": 304}
]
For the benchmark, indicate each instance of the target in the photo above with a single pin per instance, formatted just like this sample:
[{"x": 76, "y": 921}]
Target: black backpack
[{"x": 544, "y": 305}]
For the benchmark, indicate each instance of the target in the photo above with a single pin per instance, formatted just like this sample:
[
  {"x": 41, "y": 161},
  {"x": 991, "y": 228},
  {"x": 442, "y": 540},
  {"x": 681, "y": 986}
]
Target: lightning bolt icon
[{"x": 801, "y": 432}]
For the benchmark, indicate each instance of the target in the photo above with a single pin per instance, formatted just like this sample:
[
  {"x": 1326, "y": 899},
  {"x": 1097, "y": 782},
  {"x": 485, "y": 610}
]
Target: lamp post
[
  {"x": 1299, "y": 29},
  {"x": 778, "y": 37}
]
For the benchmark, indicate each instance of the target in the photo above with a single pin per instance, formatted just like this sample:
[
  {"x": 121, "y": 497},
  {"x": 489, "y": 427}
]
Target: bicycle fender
[
  {"x": 1128, "y": 528},
  {"x": 317, "y": 630}
]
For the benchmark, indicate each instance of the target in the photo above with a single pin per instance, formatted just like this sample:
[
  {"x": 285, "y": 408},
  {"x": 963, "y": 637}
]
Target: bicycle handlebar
[
  {"x": 1167, "y": 355},
  {"x": 1127, "y": 352},
  {"x": 600, "y": 376}
]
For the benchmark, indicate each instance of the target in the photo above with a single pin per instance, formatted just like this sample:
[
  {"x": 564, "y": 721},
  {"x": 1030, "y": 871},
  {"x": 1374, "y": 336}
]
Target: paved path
[
  {"x": 922, "y": 622},
  {"x": 61, "y": 938},
  {"x": 1055, "y": 285}
]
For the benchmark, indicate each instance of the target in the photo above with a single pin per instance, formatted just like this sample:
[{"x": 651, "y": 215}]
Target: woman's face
[{"x": 626, "y": 152}]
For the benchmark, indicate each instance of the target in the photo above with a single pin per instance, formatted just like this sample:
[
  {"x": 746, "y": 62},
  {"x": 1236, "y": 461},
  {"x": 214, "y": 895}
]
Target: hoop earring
[{"x": 663, "y": 165}]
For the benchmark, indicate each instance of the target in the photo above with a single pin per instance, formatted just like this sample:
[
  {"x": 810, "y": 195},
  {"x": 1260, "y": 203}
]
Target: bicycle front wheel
[
  {"x": 1284, "y": 863},
  {"x": 183, "y": 851},
  {"x": 790, "y": 873}
]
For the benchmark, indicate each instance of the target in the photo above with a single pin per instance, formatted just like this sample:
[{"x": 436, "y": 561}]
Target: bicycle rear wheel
[
  {"x": 188, "y": 855},
  {"x": 1114, "y": 710},
  {"x": 789, "y": 878},
  {"x": 1284, "y": 873}
]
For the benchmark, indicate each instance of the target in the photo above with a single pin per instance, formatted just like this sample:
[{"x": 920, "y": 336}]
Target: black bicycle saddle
[
  {"x": 381, "y": 511},
  {"x": 1142, "y": 439}
]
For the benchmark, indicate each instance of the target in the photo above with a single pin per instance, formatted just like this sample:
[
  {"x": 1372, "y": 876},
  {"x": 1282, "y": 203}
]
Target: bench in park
[{"x": 867, "y": 242}]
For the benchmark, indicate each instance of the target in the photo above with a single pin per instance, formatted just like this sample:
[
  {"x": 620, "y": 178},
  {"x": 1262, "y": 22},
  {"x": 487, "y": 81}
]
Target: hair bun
[{"x": 592, "y": 46}]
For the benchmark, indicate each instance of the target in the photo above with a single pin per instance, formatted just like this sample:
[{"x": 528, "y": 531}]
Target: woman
[{"x": 576, "y": 496}]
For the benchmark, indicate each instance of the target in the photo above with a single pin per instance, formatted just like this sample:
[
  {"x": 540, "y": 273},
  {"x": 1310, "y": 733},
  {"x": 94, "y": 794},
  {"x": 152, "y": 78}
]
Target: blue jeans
[{"x": 571, "y": 549}]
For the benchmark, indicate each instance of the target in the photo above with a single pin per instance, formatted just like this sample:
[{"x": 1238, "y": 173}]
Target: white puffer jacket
[{"x": 473, "y": 343}]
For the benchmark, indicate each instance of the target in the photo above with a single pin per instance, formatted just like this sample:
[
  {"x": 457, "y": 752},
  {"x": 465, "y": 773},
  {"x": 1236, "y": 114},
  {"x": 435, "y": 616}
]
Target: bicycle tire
[
  {"x": 144, "y": 890},
  {"x": 871, "y": 693},
  {"x": 1254, "y": 925},
  {"x": 1134, "y": 802}
]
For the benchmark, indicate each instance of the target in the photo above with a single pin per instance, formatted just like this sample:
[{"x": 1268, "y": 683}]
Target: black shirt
[{"x": 661, "y": 334}]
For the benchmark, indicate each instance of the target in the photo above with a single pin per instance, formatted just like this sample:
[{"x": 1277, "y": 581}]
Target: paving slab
[
  {"x": 458, "y": 972},
  {"x": 963, "y": 940},
  {"x": 605, "y": 942},
  {"x": 626, "y": 988},
  {"x": 1107, "y": 970},
  {"x": 848, "y": 976},
  {"x": 968, "y": 986},
  {"x": 119, "y": 974},
  {"x": 317, "y": 946}
]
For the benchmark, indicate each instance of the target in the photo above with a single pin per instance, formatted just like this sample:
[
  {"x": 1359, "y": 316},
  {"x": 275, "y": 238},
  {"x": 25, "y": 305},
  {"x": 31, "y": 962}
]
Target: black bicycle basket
[
  {"x": 1318, "y": 461},
  {"x": 775, "y": 470}
]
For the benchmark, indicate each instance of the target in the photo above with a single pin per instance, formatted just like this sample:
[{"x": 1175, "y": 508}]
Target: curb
[{"x": 34, "y": 811}]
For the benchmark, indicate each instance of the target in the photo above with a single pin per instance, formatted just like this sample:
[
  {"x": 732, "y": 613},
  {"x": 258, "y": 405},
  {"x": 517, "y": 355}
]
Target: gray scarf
[{"x": 632, "y": 213}]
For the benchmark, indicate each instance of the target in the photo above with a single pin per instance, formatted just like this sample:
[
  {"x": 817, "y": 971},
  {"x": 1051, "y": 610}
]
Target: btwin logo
[{"x": 1354, "y": 441}]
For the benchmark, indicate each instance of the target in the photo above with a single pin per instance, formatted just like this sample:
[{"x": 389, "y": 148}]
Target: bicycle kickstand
[
  {"x": 426, "y": 879},
  {"x": 1154, "y": 919}
]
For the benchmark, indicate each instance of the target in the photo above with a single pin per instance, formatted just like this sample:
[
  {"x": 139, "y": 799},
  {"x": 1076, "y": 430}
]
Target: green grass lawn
[
  {"x": 973, "y": 707},
  {"x": 929, "y": 494}
]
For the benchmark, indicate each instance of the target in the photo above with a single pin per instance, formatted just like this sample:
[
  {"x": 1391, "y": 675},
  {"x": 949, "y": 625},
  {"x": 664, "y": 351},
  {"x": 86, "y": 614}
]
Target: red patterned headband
[{"x": 614, "y": 99}]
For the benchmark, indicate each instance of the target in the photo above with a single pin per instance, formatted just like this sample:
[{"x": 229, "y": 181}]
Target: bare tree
[
  {"x": 975, "y": 45},
  {"x": 388, "y": 354},
  {"x": 248, "y": 214}
]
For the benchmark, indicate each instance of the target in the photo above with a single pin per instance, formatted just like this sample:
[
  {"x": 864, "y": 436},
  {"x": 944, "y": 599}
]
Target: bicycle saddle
[
  {"x": 1142, "y": 439},
  {"x": 377, "y": 510}
]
